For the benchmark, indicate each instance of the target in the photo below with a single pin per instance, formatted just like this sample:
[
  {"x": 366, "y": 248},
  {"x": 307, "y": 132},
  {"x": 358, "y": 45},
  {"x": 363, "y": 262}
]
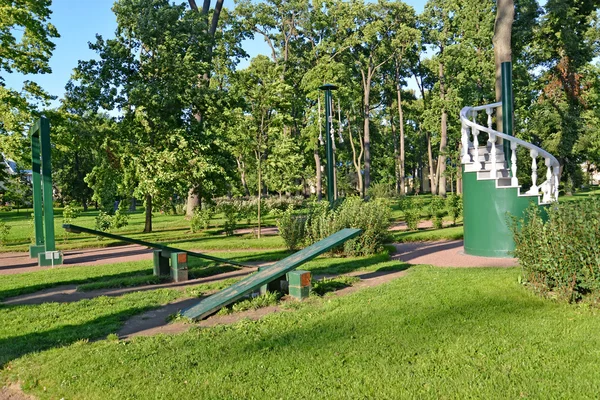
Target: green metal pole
[
  {"x": 47, "y": 184},
  {"x": 36, "y": 179},
  {"x": 507, "y": 107},
  {"x": 328, "y": 87}
]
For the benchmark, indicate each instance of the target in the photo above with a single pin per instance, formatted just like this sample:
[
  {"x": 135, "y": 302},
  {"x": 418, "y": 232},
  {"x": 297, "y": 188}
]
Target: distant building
[{"x": 11, "y": 167}]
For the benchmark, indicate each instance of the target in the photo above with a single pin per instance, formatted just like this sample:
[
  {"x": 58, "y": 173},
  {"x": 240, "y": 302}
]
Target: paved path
[{"x": 449, "y": 253}]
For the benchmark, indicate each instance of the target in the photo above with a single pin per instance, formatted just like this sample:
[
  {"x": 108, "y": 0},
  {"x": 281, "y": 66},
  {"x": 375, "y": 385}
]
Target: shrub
[
  {"x": 437, "y": 212},
  {"x": 560, "y": 254},
  {"x": 380, "y": 190},
  {"x": 412, "y": 214},
  {"x": 201, "y": 218},
  {"x": 102, "y": 223},
  {"x": 291, "y": 228},
  {"x": 121, "y": 217},
  {"x": 373, "y": 217},
  {"x": 4, "y": 230},
  {"x": 454, "y": 205},
  {"x": 230, "y": 211}
]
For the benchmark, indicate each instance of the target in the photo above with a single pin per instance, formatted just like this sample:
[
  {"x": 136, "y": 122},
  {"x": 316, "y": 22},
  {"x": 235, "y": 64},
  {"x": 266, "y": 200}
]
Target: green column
[
  {"x": 47, "y": 184},
  {"x": 36, "y": 181},
  {"x": 507, "y": 107},
  {"x": 328, "y": 87}
]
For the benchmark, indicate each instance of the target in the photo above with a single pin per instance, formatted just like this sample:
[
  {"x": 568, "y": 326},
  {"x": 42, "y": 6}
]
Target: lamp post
[{"x": 328, "y": 87}]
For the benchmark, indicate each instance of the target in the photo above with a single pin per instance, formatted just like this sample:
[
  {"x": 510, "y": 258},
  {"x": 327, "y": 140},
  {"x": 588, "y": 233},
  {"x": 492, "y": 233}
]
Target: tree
[{"x": 27, "y": 52}]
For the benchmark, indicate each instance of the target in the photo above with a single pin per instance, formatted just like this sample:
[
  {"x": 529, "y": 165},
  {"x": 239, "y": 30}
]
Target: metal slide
[
  {"x": 80, "y": 229},
  {"x": 247, "y": 285}
]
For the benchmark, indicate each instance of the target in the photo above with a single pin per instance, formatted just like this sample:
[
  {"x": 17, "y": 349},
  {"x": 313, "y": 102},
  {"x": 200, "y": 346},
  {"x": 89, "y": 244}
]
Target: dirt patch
[{"x": 13, "y": 392}]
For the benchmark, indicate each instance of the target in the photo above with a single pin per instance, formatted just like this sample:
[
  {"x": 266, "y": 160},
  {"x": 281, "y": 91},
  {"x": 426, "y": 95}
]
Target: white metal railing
[{"x": 468, "y": 118}]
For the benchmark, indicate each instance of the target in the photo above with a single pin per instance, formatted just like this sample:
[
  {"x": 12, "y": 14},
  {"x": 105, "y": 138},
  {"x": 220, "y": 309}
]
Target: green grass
[
  {"x": 436, "y": 333},
  {"x": 167, "y": 228}
]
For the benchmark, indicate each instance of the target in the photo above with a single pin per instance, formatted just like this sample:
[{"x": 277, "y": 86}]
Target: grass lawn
[
  {"x": 167, "y": 228},
  {"x": 436, "y": 333}
]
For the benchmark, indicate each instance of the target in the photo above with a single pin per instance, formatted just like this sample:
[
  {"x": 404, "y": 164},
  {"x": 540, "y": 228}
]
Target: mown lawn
[
  {"x": 166, "y": 228},
  {"x": 436, "y": 333}
]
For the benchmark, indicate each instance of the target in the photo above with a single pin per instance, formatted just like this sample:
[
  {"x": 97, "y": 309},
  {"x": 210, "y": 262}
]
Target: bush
[
  {"x": 102, "y": 223},
  {"x": 561, "y": 254},
  {"x": 291, "y": 228},
  {"x": 373, "y": 217},
  {"x": 230, "y": 210},
  {"x": 454, "y": 205},
  {"x": 4, "y": 230},
  {"x": 437, "y": 212},
  {"x": 121, "y": 217},
  {"x": 201, "y": 218},
  {"x": 380, "y": 190},
  {"x": 412, "y": 214}
]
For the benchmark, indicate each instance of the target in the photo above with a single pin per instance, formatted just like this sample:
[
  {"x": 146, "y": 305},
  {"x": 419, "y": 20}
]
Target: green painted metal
[
  {"x": 79, "y": 229},
  {"x": 179, "y": 268},
  {"x": 507, "y": 107},
  {"x": 43, "y": 212},
  {"x": 160, "y": 264},
  {"x": 248, "y": 285},
  {"x": 486, "y": 211},
  {"x": 328, "y": 87},
  {"x": 48, "y": 205},
  {"x": 36, "y": 181},
  {"x": 299, "y": 293}
]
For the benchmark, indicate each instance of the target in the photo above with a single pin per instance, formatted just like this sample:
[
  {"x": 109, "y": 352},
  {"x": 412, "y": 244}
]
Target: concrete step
[{"x": 487, "y": 174}]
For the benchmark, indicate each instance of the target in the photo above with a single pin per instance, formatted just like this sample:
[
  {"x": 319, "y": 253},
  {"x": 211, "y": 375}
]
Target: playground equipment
[
  {"x": 273, "y": 273},
  {"x": 167, "y": 260},
  {"x": 44, "y": 248},
  {"x": 491, "y": 190}
]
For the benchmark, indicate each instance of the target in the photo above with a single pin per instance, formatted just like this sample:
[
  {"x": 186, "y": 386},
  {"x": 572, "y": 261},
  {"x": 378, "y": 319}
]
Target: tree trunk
[
  {"x": 148, "y": 205},
  {"x": 319, "y": 175},
  {"x": 432, "y": 168},
  {"x": 505, "y": 16},
  {"x": 367, "y": 134},
  {"x": 259, "y": 194},
  {"x": 401, "y": 123},
  {"x": 193, "y": 201},
  {"x": 396, "y": 154},
  {"x": 444, "y": 136},
  {"x": 356, "y": 161},
  {"x": 242, "y": 169}
]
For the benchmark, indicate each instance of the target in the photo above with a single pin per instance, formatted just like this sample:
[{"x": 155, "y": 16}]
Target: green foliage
[
  {"x": 201, "y": 218},
  {"x": 437, "y": 211},
  {"x": 4, "y": 231},
  {"x": 326, "y": 285},
  {"x": 412, "y": 213},
  {"x": 561, "y": 255},
  {"x": 264, "y": 300},
  {"x": 454, "y": 205},
  {"x": 230, "y": 210},
  {"x": 121, "y": 217},
  {"x": 291, "y": 228},
  {"x": 103, "y": 222},
  {"x": 380, "y": 190},
  {"x": 69, "y": 214}
]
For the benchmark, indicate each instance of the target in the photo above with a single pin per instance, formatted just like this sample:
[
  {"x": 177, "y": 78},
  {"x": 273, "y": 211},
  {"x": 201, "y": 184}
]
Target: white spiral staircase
[{"x": 484, "y": 156}]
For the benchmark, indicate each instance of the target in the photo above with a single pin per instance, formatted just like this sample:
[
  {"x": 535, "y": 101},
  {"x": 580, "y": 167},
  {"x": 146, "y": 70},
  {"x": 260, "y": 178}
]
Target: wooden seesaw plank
[{"x": 247, "y": 285}]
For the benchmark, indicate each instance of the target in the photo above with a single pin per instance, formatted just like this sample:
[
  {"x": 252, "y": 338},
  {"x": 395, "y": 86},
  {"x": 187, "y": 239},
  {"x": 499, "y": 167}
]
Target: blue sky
[{"x": 79, "y": 21}]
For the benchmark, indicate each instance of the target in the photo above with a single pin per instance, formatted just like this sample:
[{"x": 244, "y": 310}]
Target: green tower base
[
  {"x": 486, "y": 216},
  {"x": 50, "y": 258},
  {"x": 35, "y": 249}
]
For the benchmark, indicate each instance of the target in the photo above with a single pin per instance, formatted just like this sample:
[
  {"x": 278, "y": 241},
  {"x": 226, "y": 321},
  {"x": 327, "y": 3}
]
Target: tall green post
[
  {"x": 44, "y": 248},
  {"x": 328, "y": 87},
  {"x": 507, "y": 107}
]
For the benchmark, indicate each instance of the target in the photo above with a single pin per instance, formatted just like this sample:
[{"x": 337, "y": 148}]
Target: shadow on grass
[
  {"x": 17, "y": 346},
  {"x": 348, "y": 265},
  {"x": 7, "y": 293}
]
